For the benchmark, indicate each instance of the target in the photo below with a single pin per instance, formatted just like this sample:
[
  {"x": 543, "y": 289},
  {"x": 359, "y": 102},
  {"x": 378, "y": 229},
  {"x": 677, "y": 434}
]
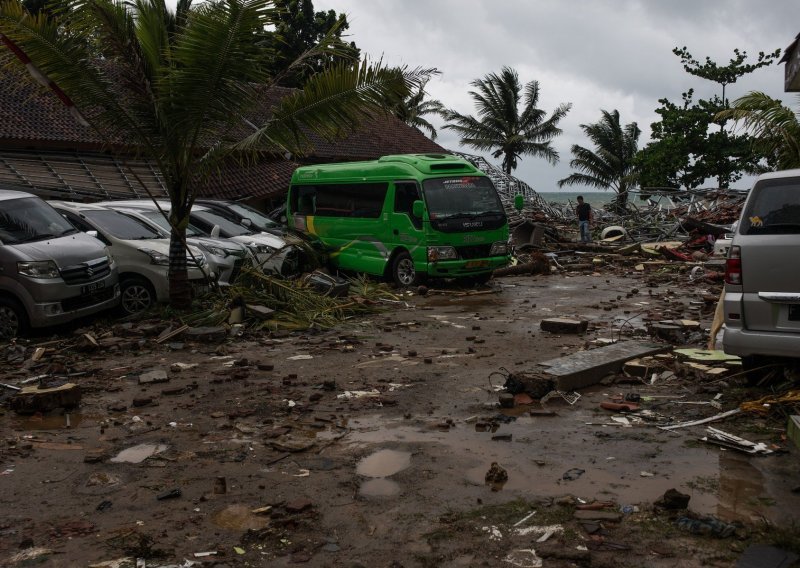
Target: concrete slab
[
  {"x": 585, "y": 368},
  {"x": 564, "y": 325}
]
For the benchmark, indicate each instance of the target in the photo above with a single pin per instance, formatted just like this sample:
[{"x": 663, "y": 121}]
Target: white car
[
  {"x": 225, "y": 257},
  {"x": 140, "y": 253},
  {"x": 274, "y": 254}
]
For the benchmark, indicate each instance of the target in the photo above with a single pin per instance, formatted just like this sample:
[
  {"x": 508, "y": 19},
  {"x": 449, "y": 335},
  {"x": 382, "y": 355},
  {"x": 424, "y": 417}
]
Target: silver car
[
  {"x": 225, "y": 257},
  {"x": 50, "y": 272},
  {"x": 762, "y": 280}
]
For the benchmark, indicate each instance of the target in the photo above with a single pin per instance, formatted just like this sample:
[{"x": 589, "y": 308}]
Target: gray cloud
[{"x": 599, "y": 54}]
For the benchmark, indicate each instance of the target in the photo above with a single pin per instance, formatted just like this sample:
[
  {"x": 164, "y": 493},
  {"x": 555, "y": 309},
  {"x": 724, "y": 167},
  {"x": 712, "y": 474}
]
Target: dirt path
[{"x": 368, "y": 445}]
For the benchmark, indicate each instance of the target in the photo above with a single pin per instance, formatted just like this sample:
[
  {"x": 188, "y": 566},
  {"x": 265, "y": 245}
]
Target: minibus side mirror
[
  {"x": 215, "y": 231},
  {"x": 417, "y": 208},
  {"x": 519, "y": 202}
]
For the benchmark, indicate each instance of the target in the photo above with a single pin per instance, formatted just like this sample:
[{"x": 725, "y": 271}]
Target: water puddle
[
  {"x": 379, "y": 466},
  {"x": 240, "y": 518},
  {"x": 383, "y": 463},
  {"x": 137, "y": 454},
  {"x": 38, "y": 422}
]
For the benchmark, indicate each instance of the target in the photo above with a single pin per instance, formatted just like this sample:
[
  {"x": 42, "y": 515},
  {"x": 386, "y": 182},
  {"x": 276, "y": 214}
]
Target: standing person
[{"x": 584, "y": 211}]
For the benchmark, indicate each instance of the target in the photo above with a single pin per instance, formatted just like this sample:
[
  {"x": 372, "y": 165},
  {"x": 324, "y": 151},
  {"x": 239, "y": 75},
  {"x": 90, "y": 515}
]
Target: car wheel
[
  {"x": 13, "y": 319},
  {"x": 137, "y": 295},
  {"x": 403, "y": 272}
]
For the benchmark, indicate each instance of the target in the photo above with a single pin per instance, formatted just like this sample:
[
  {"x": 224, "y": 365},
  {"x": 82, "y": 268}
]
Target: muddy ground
[{"x": 367, "y": 445}]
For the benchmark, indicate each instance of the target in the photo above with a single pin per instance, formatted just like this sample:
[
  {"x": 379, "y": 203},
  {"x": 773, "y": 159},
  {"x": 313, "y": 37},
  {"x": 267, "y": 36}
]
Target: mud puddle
[
  {"x": 38, "y": 422},
  {"x": 630, "y": 465},
  {"x": 378, "y": 466}
]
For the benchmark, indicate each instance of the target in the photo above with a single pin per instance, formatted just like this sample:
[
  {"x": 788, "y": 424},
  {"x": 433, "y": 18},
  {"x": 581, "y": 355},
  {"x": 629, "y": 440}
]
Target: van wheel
[
  {"x": 137, "y": 295},
  {"x": 13, "y": 319},
  {"x": 403, "y": 272}
]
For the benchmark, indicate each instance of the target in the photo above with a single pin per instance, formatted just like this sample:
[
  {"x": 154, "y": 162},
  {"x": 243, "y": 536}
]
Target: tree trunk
[
  {"x": 180, "y": 292},
  {"x": 621, "y": 201}
]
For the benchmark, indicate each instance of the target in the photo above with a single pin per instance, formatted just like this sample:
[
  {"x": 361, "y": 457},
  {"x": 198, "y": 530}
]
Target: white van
[{"x": 50, "y": 273}]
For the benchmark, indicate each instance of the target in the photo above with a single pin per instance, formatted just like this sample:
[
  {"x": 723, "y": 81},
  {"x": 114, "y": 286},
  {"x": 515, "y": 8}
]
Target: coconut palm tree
[
  {"x": 177, "y": 87},
  {"x": 413, "y": 108},
  {"x": 774, "y": 127},
  {"x": 501, "y": 128},
  {"x": 610, "y": 165}
]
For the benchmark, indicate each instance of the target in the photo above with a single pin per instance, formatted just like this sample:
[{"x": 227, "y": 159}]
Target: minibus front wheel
[{"x": 403, "y": 272}]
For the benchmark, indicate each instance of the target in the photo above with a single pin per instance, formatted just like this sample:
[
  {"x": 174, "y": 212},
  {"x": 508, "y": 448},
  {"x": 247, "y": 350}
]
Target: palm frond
[{"x": 331, "y": 103}]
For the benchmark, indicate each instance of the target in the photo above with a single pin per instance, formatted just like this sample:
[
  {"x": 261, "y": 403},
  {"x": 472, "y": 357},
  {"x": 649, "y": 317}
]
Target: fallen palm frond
[{"x": 273, "y": 303}]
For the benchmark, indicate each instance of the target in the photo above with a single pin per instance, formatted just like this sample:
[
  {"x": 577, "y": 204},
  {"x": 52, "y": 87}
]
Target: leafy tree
[
  {"x": 500, "y": 127},
  {"x": 298, "y": 29},
  {"x": 413, "y": 108},
  {"x": 611, "y": 164},
  {"x": 685, "y": 150},
  {"x": 774, "y": 127},
  {"x": 728, "y": 74},
  {"x": 176, "y": 88}
]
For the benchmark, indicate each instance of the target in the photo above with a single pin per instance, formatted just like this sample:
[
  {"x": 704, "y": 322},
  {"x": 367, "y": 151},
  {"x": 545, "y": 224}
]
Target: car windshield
[
  {"x": 259, "y": 219},
  {"x": 774, "y": 208},
  {"x": 227, "y": 228},
  {"x": 30, "y": 219},
  {"x": 120, "y": 226},
  {"x": 157, "y": 218},
  {"x": 471, "y": 196}
]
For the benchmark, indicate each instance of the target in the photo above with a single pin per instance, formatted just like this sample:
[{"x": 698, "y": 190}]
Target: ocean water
[{"x": 593, "y": 198}]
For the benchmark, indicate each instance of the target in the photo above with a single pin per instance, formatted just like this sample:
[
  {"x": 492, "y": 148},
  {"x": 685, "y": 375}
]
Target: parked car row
[{"x": 61, "y": 260}]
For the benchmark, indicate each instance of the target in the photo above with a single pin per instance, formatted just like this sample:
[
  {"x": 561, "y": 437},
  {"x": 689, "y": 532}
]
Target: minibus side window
[{"x": 405, "y": 194}]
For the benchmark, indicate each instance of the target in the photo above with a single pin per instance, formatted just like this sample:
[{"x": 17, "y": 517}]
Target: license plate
[
  {"x": 794, "y": 313},
  {"x": 89, "y": 288},
  {"x": 476, "y": 264}
]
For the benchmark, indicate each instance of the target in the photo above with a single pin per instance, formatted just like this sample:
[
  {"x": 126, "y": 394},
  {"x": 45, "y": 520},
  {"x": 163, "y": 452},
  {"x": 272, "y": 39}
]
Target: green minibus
[{"x": 404, "y": 217}]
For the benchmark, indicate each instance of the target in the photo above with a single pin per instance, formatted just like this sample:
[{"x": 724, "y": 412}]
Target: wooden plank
[{"x": 586, "y": 368}]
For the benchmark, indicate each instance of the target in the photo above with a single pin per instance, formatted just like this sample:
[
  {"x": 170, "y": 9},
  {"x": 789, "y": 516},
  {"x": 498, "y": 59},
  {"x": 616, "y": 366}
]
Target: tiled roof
[{"x": 33, "y": 119}]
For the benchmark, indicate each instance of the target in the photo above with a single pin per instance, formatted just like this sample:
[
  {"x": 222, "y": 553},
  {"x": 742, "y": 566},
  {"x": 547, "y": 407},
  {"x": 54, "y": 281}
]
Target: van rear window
[
  {"x": 773, "y": 208},
  {"x": 364, "y": 200}
]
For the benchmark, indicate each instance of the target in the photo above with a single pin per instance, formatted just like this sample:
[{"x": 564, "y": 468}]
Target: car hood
[
  {"x": 64, "y": 251},
  {"x": 158, "y": 245}
]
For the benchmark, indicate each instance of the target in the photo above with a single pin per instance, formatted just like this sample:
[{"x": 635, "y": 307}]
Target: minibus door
[{"x": 407, "y": 230}]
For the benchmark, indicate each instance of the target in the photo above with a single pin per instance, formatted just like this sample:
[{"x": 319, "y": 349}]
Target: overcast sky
[{"x": 600, "y": 54}]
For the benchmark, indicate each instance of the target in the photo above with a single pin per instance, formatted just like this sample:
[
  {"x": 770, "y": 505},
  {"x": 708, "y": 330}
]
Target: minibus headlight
[
  {"x": 498, "y": 248},
  {"x": 441, "y": 253},
  {"x": 38, "y": 269}
]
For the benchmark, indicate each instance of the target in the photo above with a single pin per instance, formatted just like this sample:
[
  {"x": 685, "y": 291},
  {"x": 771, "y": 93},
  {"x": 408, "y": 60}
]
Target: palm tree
[
  {"x": 501, "y": 128},
  {"x": 610, "y": 165},
  {"x": 774, "y": 127},
  {"x": 413, "y": 108},
  {"x": 176, "y": 87}
]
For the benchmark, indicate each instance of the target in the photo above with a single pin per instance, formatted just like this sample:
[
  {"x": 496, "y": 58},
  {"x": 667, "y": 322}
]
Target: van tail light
[{"x": 733, "y": 266}]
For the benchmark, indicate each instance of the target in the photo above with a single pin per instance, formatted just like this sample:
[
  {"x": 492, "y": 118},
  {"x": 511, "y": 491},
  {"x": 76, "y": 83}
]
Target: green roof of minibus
[{"x": 399, "y": 165}]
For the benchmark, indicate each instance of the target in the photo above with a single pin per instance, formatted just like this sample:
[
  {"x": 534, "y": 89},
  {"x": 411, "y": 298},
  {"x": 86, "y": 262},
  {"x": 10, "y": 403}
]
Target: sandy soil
[{"x": 367, "y": 445}]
